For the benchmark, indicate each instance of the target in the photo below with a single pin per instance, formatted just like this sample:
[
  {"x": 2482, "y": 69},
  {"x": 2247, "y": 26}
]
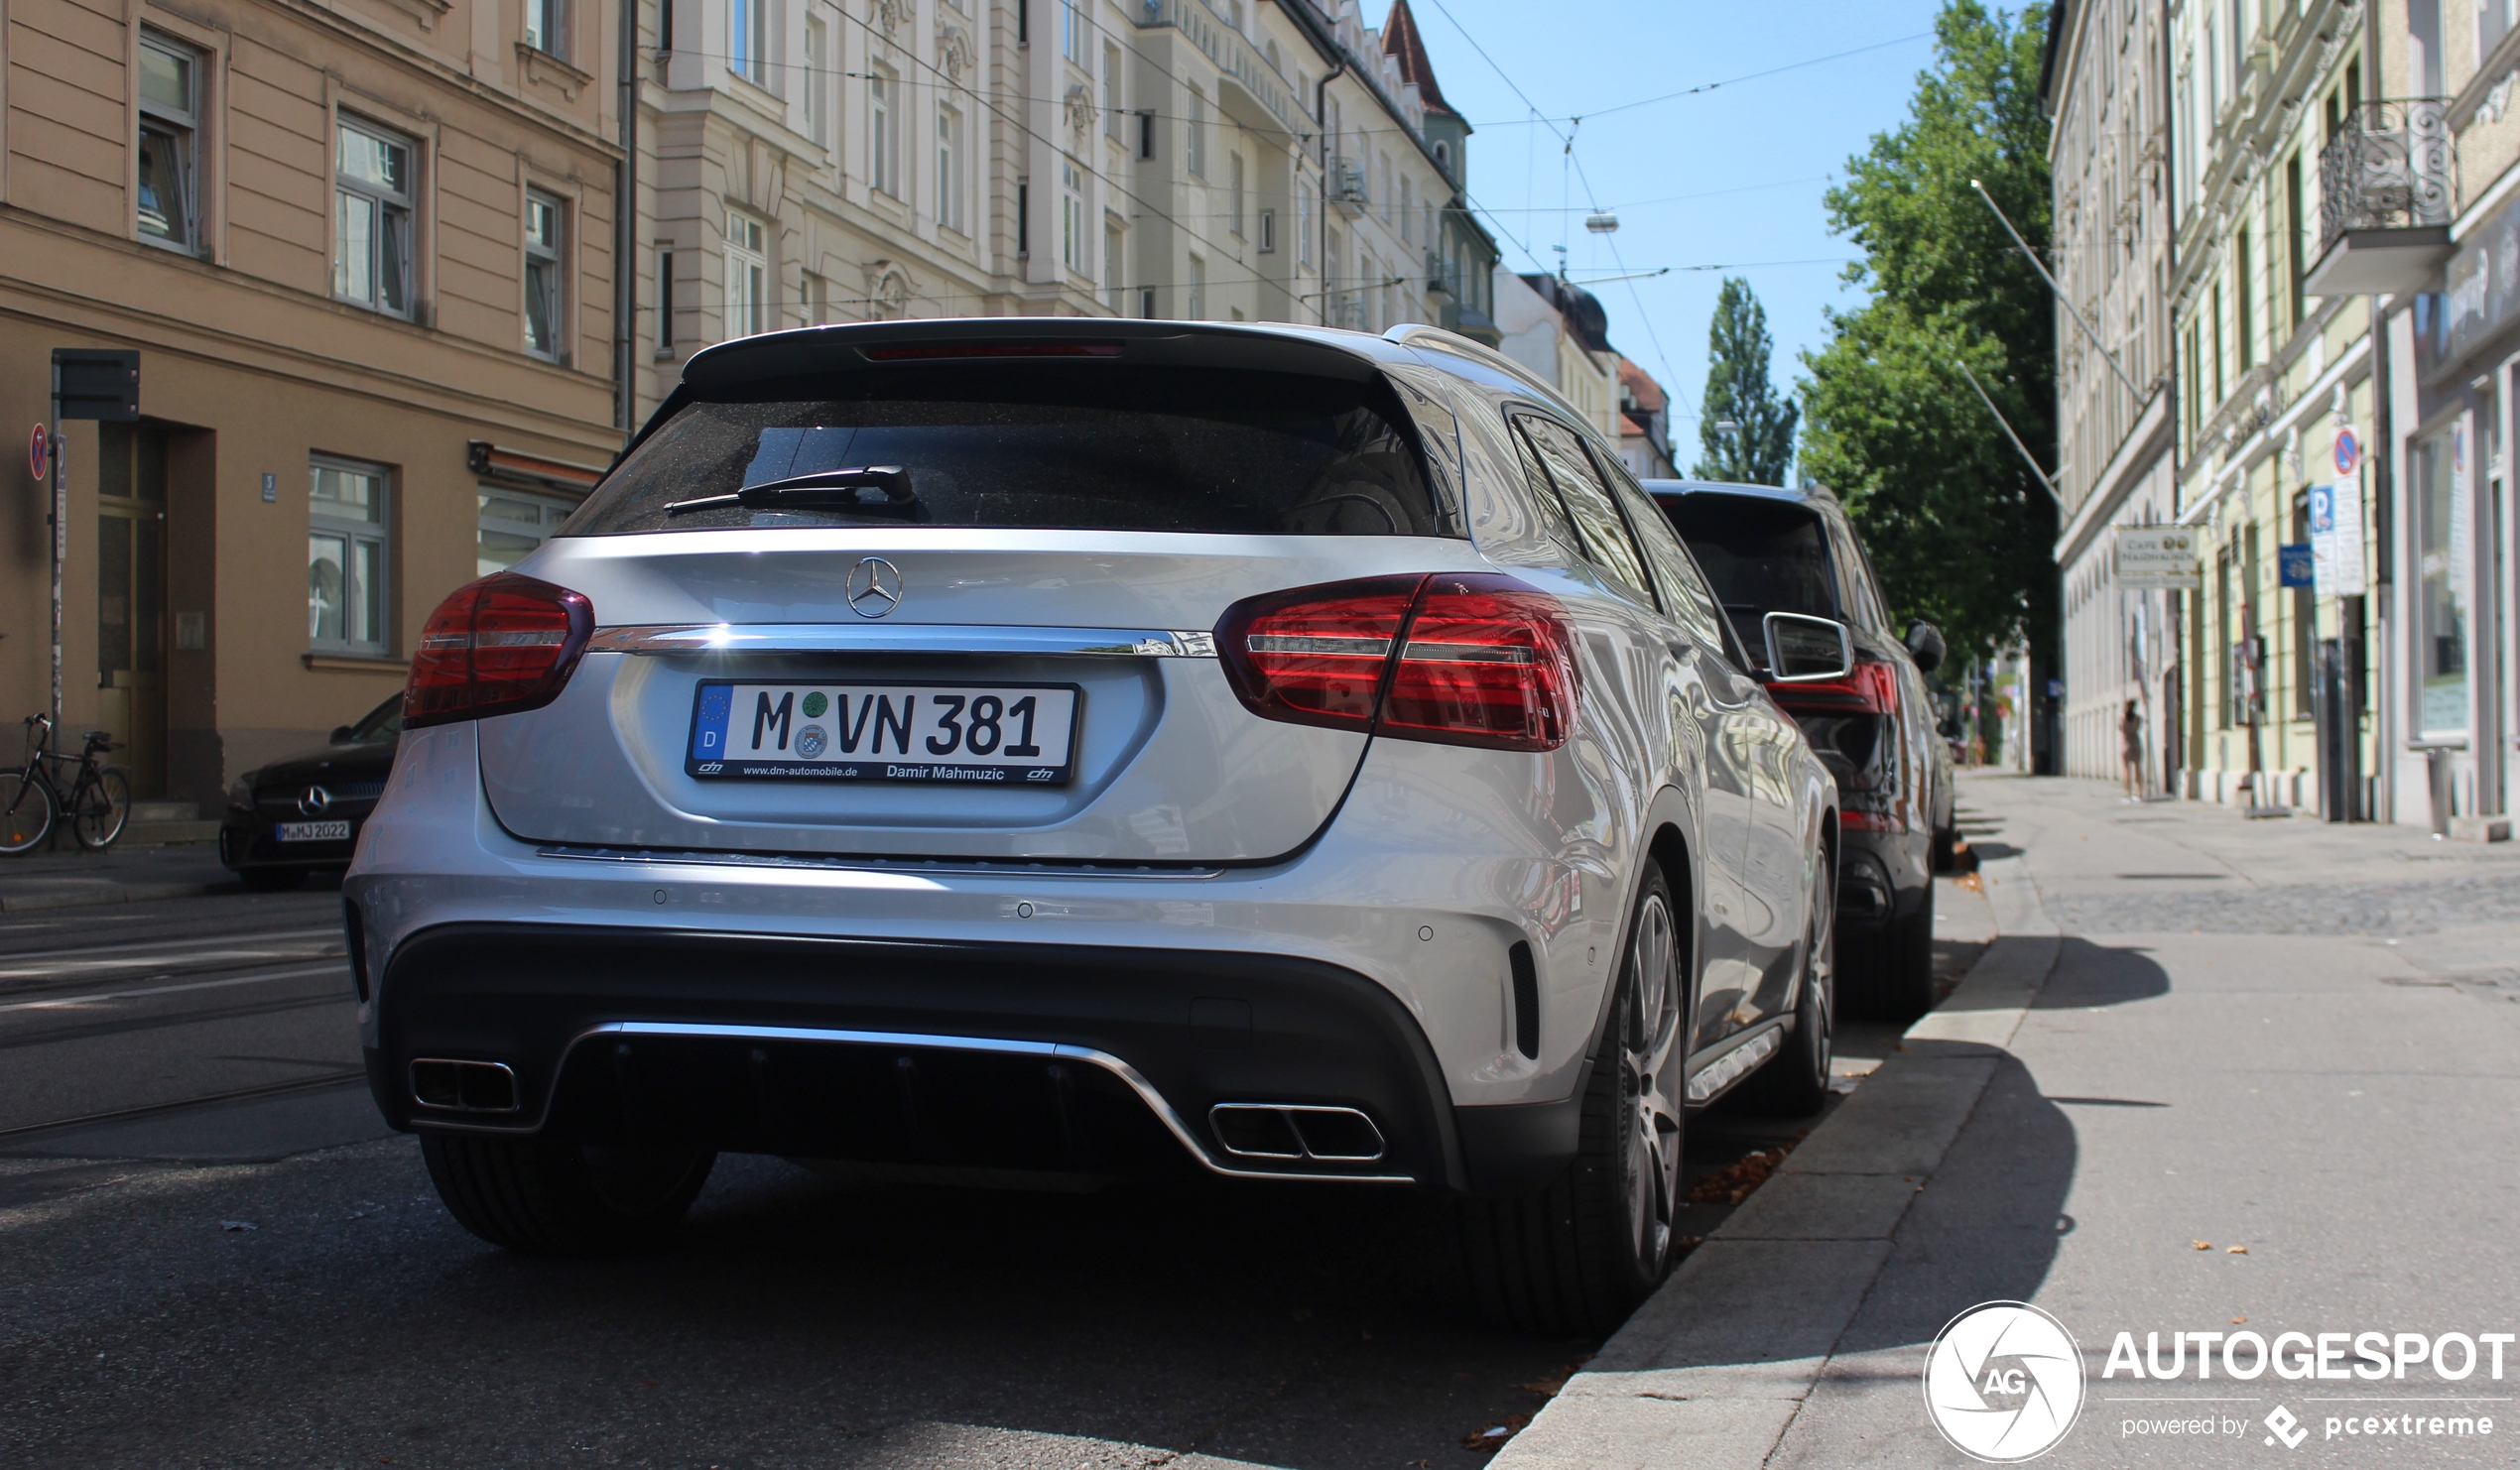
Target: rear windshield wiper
[{"x": 878, "y": 487}]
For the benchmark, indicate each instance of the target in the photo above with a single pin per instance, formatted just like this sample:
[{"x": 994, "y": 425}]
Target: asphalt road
[{"x": 212, "y": 1252}]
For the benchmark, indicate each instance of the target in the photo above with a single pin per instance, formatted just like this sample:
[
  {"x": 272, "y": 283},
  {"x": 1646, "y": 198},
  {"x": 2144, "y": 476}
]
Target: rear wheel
[
  {"x": 271, "y": 879},
  {"x": 1795, "y": 1081},
  {"x": 99, "y": 807},
  {"x": 554, "y": 1197},
  {"x": 1579, "y": 1256},
  {"x": 26, "y": 812}
]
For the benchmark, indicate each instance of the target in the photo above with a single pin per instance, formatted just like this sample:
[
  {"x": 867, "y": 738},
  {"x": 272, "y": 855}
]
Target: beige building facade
[{"x": 364, "y": 253}]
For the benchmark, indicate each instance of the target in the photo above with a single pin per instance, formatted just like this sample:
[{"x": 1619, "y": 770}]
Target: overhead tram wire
[{"x": 1601, "y": 113}]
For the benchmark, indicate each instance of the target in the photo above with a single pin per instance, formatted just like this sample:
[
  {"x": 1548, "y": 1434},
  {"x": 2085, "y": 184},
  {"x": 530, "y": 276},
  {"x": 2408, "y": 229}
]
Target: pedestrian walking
[{"x": 2130, "y": 739}]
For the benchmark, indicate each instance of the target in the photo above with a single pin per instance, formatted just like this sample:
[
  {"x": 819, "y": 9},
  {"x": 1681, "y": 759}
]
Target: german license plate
[
  {"x": 945, "y": 734},
  {"x": 313, "y": 831}
]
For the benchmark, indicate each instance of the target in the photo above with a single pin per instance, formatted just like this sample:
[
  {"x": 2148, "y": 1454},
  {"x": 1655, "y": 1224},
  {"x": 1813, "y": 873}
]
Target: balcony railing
[{"x": 2387, "y": 168}]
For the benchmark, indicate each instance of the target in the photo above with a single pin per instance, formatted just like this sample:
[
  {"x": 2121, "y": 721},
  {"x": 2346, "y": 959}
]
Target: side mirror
[
  {"x": 341, "y": 734},
  {"x": 1802, "y": 649},
  {"x": 1926, "y": 646}
]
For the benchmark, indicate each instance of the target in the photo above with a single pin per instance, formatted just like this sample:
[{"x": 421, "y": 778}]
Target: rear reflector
[
  {"x": 1455, "y": 659},
  {"x": 497, "y": 646}
]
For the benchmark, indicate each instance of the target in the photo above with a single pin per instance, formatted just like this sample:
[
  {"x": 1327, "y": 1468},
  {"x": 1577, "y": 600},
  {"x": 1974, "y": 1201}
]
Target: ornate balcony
[{"x": 2384, "y": 200}]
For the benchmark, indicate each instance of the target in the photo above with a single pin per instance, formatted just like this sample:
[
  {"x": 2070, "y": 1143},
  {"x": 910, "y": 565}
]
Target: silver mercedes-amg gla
[{"x": 1029, "y": 751}]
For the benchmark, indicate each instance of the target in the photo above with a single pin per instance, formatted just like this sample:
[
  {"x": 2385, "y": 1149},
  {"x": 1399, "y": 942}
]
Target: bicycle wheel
[
  {"x": 26, "y": 811},
  {"x": 99, "y": 807}
]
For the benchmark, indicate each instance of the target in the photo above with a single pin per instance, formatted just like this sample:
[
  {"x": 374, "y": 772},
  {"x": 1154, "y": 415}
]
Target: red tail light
[
  {"x": 1458, "y": 660},
  {"x": 1869, "y": 688},
  {"x": 504, "y": 644}
]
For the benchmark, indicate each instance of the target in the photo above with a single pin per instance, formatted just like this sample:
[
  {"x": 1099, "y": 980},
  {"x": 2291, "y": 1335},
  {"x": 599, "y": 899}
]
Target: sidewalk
[
  {"x": 120, "y": 874},
  {"x": 2287, "y": 1037}
]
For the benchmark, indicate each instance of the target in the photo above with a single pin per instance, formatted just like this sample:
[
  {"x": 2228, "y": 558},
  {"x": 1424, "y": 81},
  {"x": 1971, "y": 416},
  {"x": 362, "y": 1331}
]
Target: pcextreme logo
[{"x": 2003, "y": 1382}]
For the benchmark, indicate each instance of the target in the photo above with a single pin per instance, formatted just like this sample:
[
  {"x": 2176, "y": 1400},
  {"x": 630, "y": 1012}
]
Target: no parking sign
[{"x": 39, "y": 454}]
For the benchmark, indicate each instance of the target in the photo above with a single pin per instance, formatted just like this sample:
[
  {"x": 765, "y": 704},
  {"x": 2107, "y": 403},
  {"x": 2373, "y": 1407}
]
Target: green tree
[
  {"x": 1959, "y": 529},
  {"x": 1759, "y": 447}
]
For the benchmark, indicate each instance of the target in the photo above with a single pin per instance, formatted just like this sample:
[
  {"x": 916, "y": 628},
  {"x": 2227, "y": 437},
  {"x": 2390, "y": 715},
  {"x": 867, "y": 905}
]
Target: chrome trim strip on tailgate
[
  {"x": 962, "y": 867},
  {"x": 902, "y": 637}
]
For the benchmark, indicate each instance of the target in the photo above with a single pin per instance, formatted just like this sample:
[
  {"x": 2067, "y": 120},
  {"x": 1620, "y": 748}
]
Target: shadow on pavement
[{"x": 2088, "y": 974}]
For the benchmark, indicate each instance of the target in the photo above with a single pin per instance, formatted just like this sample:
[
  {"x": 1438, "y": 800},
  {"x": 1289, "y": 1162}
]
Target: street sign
[
  {"x": 2349, "y": 452},
  {"x": 97, "y": 383},
  {"x": 2335, "y": 537},
  {"x": 2157, "y": 556},
  {"x": 2293, "y": 566},
  {"x": 39, "y": 454}
]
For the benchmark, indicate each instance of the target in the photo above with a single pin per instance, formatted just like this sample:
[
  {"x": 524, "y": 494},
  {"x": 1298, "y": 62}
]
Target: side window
[
  {"x": 1606, "y": 536},
  {"x": 1855, "y": 579},
  {"x": 1693, "y": 603},
  {"x": 1544, "y": 495}
]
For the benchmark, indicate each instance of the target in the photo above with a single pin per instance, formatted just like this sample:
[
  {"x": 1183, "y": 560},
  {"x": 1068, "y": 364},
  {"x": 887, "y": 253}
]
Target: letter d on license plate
[{"x": 950, "y": 734}]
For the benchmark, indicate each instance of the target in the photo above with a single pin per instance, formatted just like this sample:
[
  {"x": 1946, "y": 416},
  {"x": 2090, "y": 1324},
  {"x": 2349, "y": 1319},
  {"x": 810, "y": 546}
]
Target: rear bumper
[
  {"x": 1882, "y": 877},
  {"x": 975, "y": 1055}
]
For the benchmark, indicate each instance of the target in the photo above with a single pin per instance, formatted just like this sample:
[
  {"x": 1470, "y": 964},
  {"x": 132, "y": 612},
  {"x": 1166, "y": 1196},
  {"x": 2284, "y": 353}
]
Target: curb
[
  {"x": 1711, "y": 1370},
  {"x": 122, "y": 893}
]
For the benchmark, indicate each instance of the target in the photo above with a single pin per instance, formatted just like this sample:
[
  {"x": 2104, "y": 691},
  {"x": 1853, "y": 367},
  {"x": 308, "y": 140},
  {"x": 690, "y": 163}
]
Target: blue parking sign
[{"x": 2323, "y": 509}]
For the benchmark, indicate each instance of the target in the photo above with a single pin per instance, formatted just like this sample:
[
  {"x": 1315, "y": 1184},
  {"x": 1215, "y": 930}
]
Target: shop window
[
  {"x": 347, "y": 565},
  {"x": 514, "y": 523},
  {"x": 2442, "y": 536}
]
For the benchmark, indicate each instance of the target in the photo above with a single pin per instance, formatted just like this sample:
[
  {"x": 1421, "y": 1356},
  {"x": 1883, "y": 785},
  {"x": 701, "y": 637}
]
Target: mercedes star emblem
[
  {"x": 315, "y": 799},
  {"x": 874, "y": 587}
]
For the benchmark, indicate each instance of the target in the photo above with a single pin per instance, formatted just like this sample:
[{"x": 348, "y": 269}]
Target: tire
[
  {"x": 271, "y": 879},
  {"x": 26, "y": 812},
  {"x": 552, "y": 1196},
  {"x": 1577, "y": 1257},
  {"x": 1947, "y": 842},
  {"x": 1892, "y": 972},
  {"x": 1795, "y": 1081},
  {"x": 100, "y": 808}
]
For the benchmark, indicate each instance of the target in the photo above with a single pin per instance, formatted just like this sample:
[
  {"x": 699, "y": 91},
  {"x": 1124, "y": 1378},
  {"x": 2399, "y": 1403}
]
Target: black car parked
[
  {"x": 1767, "y": 550},
  {"x": 295, "y": 815}
]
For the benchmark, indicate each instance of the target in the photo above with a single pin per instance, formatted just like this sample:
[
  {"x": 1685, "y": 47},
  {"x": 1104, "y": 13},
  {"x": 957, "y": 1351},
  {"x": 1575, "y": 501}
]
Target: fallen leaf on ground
[
  {"x": 2238, "y": 1251},
  {"x": 1733, "y": 1183},
  {"x": 1971, "y": 882},
  {"x": 2202, "y": 1245},
  {"x": 2236, "y": 1321}
]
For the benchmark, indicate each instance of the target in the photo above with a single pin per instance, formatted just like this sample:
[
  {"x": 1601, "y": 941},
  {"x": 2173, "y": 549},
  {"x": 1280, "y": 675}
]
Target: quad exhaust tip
[
  {"x": 465, "y": 1086},
  {"x": 1295, "y": 1131}
]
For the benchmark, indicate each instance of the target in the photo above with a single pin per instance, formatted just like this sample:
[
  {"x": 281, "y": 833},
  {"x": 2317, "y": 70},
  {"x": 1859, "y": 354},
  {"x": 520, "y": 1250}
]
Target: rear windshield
[
  {"x": 1048, "y": 447},
  {"x": 1759, "y": 555}
]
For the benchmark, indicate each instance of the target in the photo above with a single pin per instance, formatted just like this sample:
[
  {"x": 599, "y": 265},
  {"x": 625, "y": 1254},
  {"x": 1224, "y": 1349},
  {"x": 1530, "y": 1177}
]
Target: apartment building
[
  {"x": 365, "y": 251},
  {"x": 1212, "y": 159},
  {"x": 2106, "y": 86},
  {"x": 1559, "y": 331}
]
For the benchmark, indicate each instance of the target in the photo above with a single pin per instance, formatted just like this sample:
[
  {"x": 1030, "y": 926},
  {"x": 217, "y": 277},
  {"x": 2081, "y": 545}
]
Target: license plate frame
[
  {"x": 915, "y": 760},
  {"x": 337, "y": 830}
]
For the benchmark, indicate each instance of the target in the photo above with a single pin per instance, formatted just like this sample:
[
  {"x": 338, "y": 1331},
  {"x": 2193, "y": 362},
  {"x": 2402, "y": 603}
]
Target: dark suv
[{"x": 1772, "y": 550}]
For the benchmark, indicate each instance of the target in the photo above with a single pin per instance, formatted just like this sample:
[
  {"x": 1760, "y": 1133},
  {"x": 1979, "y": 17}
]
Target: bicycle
[{"x": 31, "y": 800}]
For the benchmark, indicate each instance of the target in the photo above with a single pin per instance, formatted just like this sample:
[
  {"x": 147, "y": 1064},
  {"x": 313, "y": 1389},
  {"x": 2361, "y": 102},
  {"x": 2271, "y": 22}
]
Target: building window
[
  {"x": 2443, "y": 535},
  {"x": 881, "y": 166},
  {"x": 748, "y": 40},
  {"x": 347, "y": 532},
  {"x": 1198, "y": 142},
  {"x": 1408, "y": 214},
  {"x": 1233, "y": 192},
  {"x": 1111, "y": 91},
  {"x": 817, "y": 80},
  {"x": 665, "y": 301},
  {"x": 542, "y": 273},
  {"x": 542, "y": 27},
  {"x": 169, "y": 150},
  {"x": 372, "y": 218},
  {"x": 1114, "y": 250},
  {"x": 1268, "y": 231},
  {"x": 1071, "y": 218},
  {"x": 949, "y": 169},
  {"x": 1072, "y": 30},
  {"x": 747, "y": 276},
  {"x": 513, "y": 523},
  {"x": 1303, "y": 225},
  {"x": 1197, "y": 289}
]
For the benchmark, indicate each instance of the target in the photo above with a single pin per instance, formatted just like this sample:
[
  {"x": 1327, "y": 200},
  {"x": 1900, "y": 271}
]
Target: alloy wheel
[{"x": 1649, "y": 1080}]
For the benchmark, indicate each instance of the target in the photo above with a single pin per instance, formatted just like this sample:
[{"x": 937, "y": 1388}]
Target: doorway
[{"x": 131, "y": 572}]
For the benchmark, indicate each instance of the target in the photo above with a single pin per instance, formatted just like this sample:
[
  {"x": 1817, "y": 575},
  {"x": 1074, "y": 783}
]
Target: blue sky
[{"x": 1755, "y": 154}]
